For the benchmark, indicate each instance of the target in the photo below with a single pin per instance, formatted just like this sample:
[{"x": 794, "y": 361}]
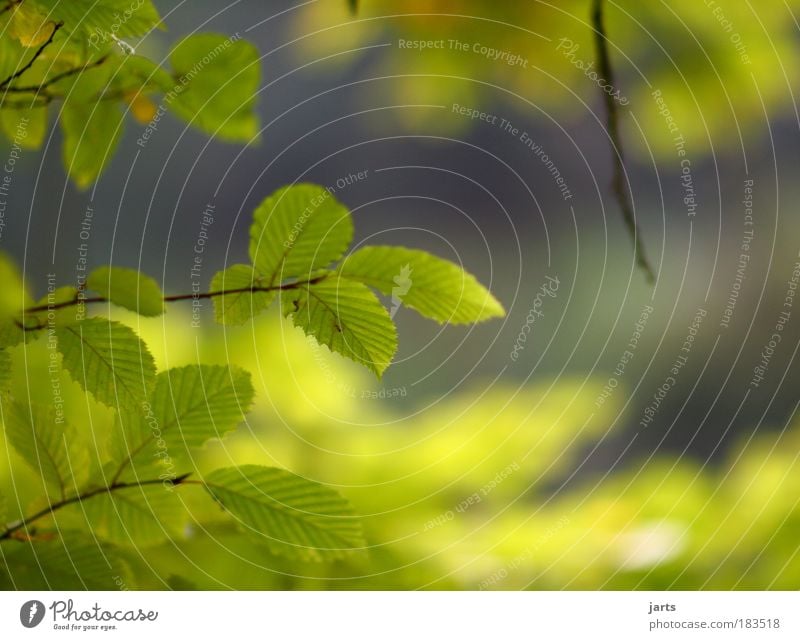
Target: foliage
[
  {"x": 79, "y": 54},
  {"x": 135, "y": 482}
]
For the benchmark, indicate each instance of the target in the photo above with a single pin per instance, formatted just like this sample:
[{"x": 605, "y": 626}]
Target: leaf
[
  {"x": 296, "y": 230},
  {"x": 294, "y": 516},
  {"x": 188, "y": 406},
  {"x": 5, "y": 369},
  {"x": 25, "y": 127},
  {"x": 129, "y": 289},
  {"x": 108, "y": 360},
  {"x": 136, "y": 515},
  {"x": 74, "y": 561},
  {"x": 219, "y": 81},
  {"x": 92, "y": 132},
  {"x": 238, "y": 308},
  {"x": 347, "y": 318},
  {"x": 100, "y": 19},
  {"x": 436, "y": 288},
  {"x": 50, "y": 445},
  {"x": 30, "y": 25}
]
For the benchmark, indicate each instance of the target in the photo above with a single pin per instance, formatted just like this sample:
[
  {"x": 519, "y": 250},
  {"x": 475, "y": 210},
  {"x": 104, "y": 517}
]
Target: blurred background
[{"x": 643, "y": 436}]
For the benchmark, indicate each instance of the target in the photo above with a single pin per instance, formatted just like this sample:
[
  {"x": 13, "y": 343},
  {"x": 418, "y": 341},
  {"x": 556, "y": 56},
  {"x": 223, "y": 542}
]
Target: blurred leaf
[
  {"x": 108, "y": 360},
  {"x": 238, "y": 308},
  {"x": 91, "y": 135},
  {"x": 218, "y": 86},
  {"x": 102, "y": 17},
  {"x": 74, "y": 561},
  {"x": 14, "y": 295},
  {"x": 128, "y": 288},
  {"x": 294, "y": 516},
  {"x": 296, "y": 230},
  {"x": 30, "y": 25},
  {"x": 50, "y": 445},
  {"x": 436, "y": 288},
  {"x": 346, "y": 317},
  {"x": 188, "y": 406},
  {"x": 25, "y": 127}
]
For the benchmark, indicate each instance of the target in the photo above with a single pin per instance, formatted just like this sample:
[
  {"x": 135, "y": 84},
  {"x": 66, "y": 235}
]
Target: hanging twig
[{"x": 618, "y": 184}]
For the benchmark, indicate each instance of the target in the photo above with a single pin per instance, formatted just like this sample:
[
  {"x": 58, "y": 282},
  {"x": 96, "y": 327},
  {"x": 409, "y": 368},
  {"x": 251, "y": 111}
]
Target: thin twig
[
  {"x": 64, "y": 74},
  {"x": 182, "y": 296},
  {"x": 36, "y": 55},
  {"x": 55, "y": 506},
  {"x": 618, "y": 183}
]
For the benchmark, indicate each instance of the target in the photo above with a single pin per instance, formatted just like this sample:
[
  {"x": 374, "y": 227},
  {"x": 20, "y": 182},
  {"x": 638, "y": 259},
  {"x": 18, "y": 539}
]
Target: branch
[
  {"x": 175, "y": 298},
  {"x": 618, "y": 184},
  {"x": 36, "y": 55},
  {"x": 55, "y": 506},
  {"x": 51, "y": 81}
]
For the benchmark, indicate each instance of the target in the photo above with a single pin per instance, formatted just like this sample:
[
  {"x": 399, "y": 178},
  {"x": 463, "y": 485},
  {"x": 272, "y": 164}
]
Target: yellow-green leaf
[{"x": 128, "y": 288}]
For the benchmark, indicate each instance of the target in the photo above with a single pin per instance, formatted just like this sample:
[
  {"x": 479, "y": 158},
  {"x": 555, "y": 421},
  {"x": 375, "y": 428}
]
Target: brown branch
[
  {"x": 64, "y": 74},
  {"x": 177, "y": 298},
  {"x": 36, "y": 55},
  {"x": 618, "y": 183},
  {"x": 55, "y": 506}
]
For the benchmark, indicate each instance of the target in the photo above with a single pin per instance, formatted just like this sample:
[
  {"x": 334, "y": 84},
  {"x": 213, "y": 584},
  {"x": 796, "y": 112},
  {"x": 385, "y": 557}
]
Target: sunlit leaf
[
  {"x": 187, "y": 407},
  {"x": 436, "y": 288},
  {"x": 128, "y": 288},
  {"x": 293, "y": 516},
  {"x": 346, "y": 317},
  {"x": 108, "y": 360},
  {"x": 296, "y": 230},
  {"x": 48, "y": 443},
  {"x": 240, "y": 306}
]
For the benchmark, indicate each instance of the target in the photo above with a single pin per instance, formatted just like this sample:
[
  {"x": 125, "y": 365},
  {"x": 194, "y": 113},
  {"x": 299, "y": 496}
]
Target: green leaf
[
  {"x": 50, "y": 445},
  {"x": 188, "y": 406},
  {"x": 5, "y": 369},
  {"x": 25, "y": 127},
  {"x": 218, "y": 82},
  {"x": 293, "y": 516},
  {"x": 297, "y": 230},
  {"x": 92, "y": 132},
  {"x": 436, "y": 288},
  {"x": 128, "y": 288},
  {"x": 347, "y": 318},
  {"x": 71, "y": 562},
  {"x": 238, "y": 308},
  {"x": 135, "y": 515},
  {"x": 100, "y": 19},
  {"x": 108, "y": 360}
]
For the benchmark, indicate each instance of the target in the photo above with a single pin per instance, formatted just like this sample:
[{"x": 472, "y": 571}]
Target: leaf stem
[
  {"x": 618, "y": 183},
  {"x": 64, "y": 502}
]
